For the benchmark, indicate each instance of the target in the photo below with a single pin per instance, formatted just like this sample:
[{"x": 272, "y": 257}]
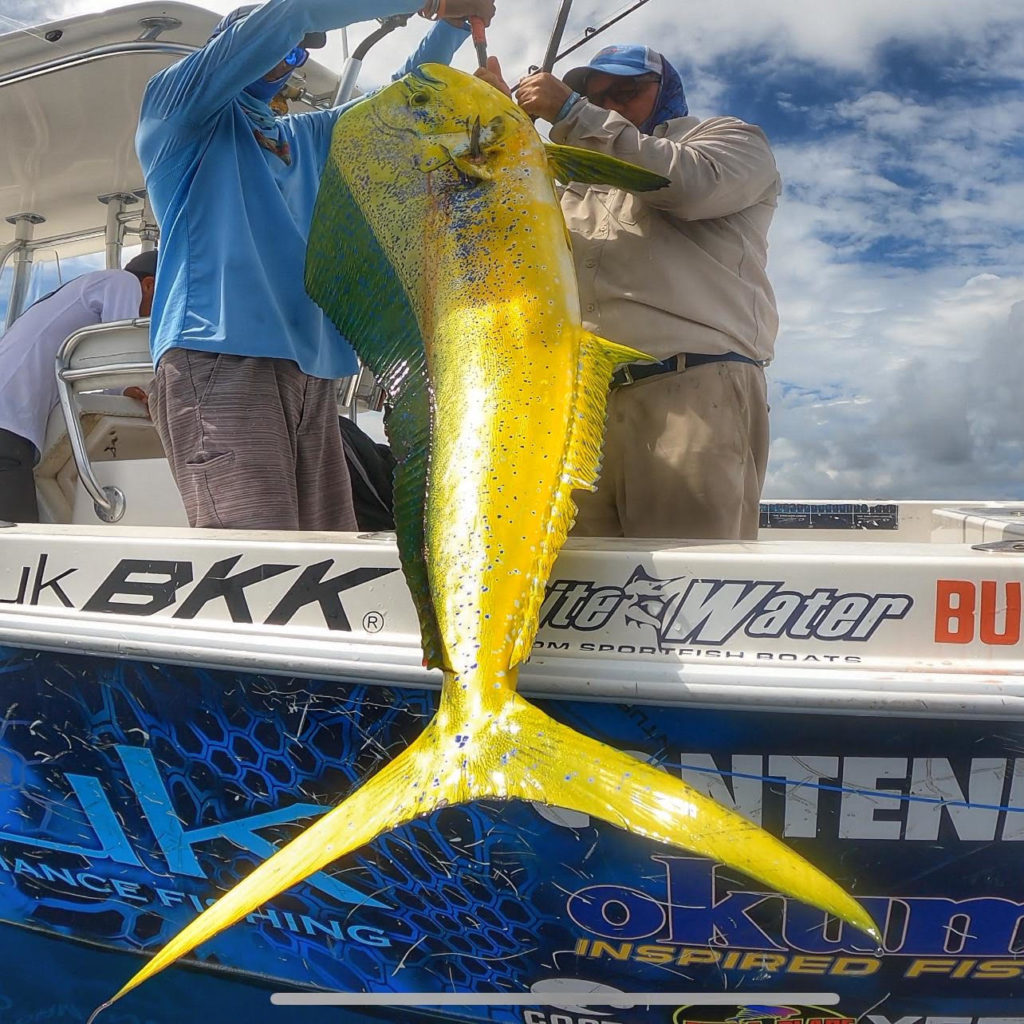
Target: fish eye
[{"x": 419, "y": 99}]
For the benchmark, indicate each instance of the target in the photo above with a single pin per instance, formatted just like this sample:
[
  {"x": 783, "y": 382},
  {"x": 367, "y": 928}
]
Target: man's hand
[
  {"x": 138, "y": 394},
  {"x": 457, "y": 11},
  {"x": 542, "y": 95},
  {"x": 492, "y": 76}
]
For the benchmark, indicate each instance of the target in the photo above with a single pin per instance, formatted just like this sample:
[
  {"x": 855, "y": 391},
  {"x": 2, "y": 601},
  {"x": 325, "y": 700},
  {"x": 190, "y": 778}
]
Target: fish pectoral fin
[
  {"x": 562, "y": 767},
  {"x": 473, "y": 166},
  {"x": 471, "y": 154},
  {"x": 570, "y": 163}
]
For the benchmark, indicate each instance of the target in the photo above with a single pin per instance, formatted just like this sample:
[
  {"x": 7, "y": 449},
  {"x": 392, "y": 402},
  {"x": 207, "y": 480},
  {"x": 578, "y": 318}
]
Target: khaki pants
[
  {"x": 253, "y": 443},
  {"x": 684, "y": 457}
]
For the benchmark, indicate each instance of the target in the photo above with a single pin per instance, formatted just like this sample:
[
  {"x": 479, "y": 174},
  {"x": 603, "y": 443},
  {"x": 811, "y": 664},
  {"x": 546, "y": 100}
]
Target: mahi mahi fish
[{"x": 439, "y": 249}]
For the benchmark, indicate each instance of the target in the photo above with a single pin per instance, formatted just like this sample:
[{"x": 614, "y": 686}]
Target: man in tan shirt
[{"x": 678, "y": 273}]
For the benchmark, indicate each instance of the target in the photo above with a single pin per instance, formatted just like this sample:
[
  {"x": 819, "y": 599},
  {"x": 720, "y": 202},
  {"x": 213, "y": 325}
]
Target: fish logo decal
[
  {"x": 650, "y": 599},
  {"x": 763, "y": 1015},
  {"x": 439, "y": 249},
  {"x": 758, "y": 1014}
]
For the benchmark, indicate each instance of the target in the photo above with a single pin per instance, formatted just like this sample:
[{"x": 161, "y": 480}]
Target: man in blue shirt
[{"x": 245, "y": 396}]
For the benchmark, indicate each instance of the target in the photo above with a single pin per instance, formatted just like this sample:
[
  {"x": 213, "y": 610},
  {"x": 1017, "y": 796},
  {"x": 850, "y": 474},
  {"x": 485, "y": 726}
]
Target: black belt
[{"x": 633, "y": 372}]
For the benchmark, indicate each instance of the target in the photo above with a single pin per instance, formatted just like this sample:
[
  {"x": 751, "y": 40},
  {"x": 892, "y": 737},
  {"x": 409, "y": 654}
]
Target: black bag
[{"x": 371, "y": 466}]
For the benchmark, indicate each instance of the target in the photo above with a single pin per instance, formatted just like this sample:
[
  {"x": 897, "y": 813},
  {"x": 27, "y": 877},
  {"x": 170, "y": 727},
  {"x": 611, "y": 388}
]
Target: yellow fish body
[{"x": 438, "y": 248}]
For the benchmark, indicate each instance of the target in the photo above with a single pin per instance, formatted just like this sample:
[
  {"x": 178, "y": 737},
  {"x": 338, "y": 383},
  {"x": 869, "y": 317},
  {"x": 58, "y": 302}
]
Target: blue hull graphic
[{"x": 132, "y": 794}]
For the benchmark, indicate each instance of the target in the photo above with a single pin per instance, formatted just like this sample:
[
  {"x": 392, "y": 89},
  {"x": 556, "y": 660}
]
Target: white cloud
[{"x": 925, "y": 404}]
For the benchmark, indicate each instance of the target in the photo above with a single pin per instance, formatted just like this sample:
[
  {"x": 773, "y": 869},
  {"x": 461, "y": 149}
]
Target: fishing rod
[
  {"x": 553, "y": 55},
  {"x": 589, "y": 33}
]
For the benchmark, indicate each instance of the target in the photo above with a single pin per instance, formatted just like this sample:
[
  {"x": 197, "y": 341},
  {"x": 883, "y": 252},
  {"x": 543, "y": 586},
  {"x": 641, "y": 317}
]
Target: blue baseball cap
[{"x": 628, "y": 60}]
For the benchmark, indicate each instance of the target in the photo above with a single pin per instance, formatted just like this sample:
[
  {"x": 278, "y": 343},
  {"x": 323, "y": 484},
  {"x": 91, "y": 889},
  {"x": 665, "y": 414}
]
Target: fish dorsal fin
[
  {"x": 598, "y": 359},
  {"x": 351, "y": 279},
  {"x": 569, "y": 163}
]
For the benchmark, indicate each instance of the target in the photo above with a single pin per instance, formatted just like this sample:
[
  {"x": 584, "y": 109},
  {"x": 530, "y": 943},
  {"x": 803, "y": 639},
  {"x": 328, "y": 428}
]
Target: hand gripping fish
[{"x": 439, "y": 249}]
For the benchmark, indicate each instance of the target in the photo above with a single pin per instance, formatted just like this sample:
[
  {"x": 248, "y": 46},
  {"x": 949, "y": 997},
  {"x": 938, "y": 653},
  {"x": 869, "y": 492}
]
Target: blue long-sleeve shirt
[{"x": 234, "y": 218}]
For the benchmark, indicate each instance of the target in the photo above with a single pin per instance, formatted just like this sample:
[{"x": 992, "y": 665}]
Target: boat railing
[
  {"x": 90, "y": 56},
  {"x": 103, "y": 358},
  {"x": 359, "y": 391},
  {"x": 97, "y": 358},
  {"x": 299, "y": 90}
]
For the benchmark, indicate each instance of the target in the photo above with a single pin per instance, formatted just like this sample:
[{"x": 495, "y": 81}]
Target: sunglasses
[
  {"x": 297, "y": 57},
  {"x": 621, "y": 92}
]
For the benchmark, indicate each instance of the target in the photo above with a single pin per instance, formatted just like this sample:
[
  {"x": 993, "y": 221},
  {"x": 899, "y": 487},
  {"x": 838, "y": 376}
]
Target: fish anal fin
[
  {"x": 580, "y": 465},
  {"x": 598, "y": 359},
  {"x": 570, "y": 163}
]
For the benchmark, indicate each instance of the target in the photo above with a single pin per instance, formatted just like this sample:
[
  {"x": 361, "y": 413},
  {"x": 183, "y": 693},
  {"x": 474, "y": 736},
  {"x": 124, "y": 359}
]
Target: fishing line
[
  {"x": 884, "y": 793},
  {"x": 23, "y": 27},
  {"x": 590, "y": 32}
]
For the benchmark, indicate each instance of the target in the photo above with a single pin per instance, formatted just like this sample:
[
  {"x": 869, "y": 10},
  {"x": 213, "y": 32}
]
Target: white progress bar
[{"x": 551, "y": 998}]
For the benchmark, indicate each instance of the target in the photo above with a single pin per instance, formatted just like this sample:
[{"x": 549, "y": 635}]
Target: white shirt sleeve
[{"x": 114, "y": 295}]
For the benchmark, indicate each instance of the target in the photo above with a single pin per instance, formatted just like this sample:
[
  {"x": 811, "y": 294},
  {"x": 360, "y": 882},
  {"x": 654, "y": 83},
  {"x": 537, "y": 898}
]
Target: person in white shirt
[{"x": 28, "y": 383}]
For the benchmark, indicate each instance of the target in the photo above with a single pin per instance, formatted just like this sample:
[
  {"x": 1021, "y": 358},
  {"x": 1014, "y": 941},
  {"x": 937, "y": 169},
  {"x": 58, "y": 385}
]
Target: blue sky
[{"x": 897, "y": 251}]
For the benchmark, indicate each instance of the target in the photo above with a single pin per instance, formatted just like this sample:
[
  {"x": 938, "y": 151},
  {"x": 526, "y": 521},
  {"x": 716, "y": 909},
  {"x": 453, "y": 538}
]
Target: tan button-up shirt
[{"x": 680, "y": 269}]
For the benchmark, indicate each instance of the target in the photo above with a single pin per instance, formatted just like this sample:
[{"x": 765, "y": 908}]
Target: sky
[{"x": 897, "y": 251}]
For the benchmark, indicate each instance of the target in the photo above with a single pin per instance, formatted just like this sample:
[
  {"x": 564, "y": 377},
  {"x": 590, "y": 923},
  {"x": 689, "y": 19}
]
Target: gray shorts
[{"x": 253, "y": 443}]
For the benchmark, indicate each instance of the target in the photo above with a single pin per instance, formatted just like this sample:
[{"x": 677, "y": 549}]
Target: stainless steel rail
[
  {"x": 73, "y": 60},
  {"x": 143, "y": 46},
  {"x": 45, "y": 243},
  {"x": 109, "y": 502}
]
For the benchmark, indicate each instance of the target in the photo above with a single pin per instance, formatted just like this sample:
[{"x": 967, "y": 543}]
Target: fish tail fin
[
  {"x": 563, "y": 767},
  {"x": 516, "y": 752},
  {"x": 399, "y": 792}
]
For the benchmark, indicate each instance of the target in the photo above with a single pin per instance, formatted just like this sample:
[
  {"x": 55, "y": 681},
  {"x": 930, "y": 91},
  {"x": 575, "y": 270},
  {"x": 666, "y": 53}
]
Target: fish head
[{"x": 449, "y": 119}]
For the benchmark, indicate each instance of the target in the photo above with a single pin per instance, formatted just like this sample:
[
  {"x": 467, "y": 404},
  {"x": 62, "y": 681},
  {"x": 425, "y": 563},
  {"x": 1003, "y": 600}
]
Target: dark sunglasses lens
[
  {"x": 625, "y": 93},
  {"x": 297, "y": 57},
  {"x": 619, "y": 93}
]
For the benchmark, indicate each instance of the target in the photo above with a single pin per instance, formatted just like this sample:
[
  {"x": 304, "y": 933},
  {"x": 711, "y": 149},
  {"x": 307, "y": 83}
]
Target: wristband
[
  {"x": 433, "y": 10},
  {"x": 564, "y": 109}
]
